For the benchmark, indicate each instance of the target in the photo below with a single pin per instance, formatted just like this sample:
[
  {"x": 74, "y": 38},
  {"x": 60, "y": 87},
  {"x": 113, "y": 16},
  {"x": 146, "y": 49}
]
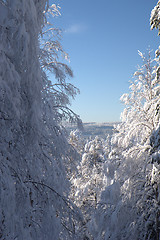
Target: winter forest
[{"x": 56, "y": 185}]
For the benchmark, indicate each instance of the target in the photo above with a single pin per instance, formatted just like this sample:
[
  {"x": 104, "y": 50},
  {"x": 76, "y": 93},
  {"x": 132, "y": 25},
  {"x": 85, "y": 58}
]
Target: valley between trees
[{"x": 59, "y": 185}]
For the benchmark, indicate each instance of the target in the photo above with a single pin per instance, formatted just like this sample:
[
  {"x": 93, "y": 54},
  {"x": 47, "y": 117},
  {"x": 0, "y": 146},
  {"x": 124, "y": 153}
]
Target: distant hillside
[{"x": 92, "y": 129}]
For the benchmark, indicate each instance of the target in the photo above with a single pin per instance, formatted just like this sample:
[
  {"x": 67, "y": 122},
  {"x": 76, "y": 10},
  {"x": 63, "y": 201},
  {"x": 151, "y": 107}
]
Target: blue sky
[{"x": 102, "y": 39}]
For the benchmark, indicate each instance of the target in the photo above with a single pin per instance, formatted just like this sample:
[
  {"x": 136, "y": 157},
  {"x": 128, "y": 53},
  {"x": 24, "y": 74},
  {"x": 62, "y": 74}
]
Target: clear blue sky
[{"x": 103, "y": 38}]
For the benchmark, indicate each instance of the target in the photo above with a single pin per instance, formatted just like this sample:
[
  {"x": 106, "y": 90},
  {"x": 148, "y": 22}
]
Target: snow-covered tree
[
  {"x": 89, "y": 183},
  {"x": 76, "y": 140},
  {"x": 51, "y": 59},
  {"x": 33, "y": 149},
  {"x": 139, "y": 117}
]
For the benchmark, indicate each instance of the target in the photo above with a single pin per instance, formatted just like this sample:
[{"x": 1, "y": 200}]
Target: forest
[{"x": 60, "y": 185}]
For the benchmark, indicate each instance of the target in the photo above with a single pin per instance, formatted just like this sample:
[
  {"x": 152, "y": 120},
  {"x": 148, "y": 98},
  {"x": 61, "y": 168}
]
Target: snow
[{"x": 100, "y": 183}]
